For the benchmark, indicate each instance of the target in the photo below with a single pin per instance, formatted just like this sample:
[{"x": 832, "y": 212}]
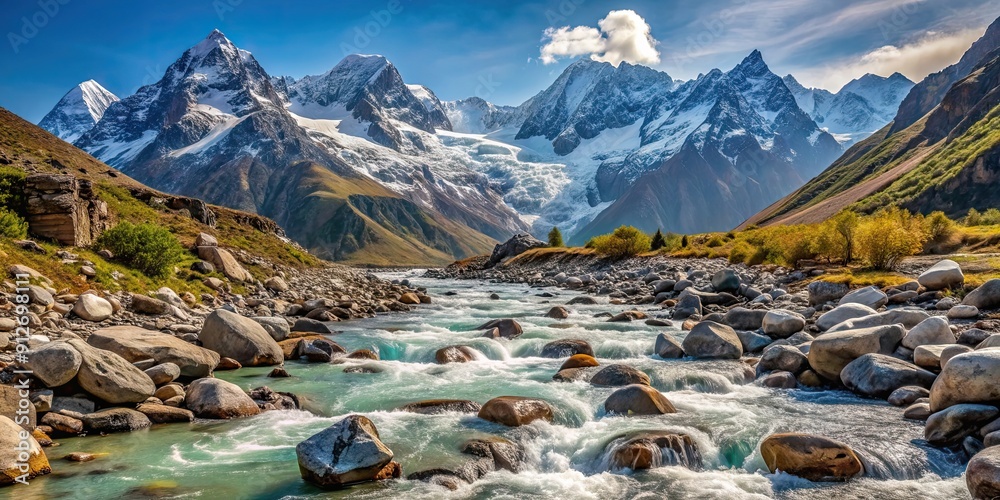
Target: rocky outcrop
[
  {"x": 513, "y": 247},
  {"x": 65, "y": 209}
]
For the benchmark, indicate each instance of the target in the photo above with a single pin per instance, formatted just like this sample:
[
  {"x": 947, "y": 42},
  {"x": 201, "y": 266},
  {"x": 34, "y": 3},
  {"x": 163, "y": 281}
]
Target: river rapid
[{"x": 724, "y": 413}]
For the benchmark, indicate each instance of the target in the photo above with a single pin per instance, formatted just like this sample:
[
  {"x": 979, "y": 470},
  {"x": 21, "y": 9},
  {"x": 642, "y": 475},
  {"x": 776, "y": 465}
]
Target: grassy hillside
[{"x": 29, "y": 149}]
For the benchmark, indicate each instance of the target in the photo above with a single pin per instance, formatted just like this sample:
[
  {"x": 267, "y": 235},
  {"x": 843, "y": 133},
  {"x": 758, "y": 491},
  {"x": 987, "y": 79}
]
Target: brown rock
[{"x": 816, "y": 458}]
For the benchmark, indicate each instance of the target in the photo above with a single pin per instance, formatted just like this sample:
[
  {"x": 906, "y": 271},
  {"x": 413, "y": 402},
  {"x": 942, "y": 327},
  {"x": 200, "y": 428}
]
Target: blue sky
[{"x": 464, "y": 48}]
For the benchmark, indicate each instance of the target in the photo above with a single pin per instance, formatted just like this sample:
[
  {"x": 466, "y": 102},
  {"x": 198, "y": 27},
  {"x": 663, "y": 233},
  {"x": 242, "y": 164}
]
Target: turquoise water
[{"x": 725, "y": 414}]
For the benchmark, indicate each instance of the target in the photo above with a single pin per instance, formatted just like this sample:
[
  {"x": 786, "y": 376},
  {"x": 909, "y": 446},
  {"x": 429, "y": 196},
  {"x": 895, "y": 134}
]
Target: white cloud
[
  {"x": 931, "y": 52},
  {"x": 623, "y": 36}
]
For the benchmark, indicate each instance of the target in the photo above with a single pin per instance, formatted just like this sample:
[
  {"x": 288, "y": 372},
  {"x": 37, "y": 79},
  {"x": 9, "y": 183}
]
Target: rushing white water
[{"x": 726, "y": 415}]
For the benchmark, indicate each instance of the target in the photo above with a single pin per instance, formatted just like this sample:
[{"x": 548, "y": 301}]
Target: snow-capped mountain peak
[
  {"x": 858, "y": 109},
  {"x": 78, "y": 111}
]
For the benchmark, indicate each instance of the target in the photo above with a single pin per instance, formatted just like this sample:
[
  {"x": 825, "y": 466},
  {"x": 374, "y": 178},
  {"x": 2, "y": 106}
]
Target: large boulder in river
[
  {"x": 501, "y": 328},
  {"x": 138, "y": 344},
  {"x": 515, "y": 411},
  {"x": 218, "y": 399},
  {"x": 782, "y": 323},
  {"x": 831, "y": 352},
  {"x": 348, "y": 452},
  {"x": 944, "y": 274},
  {"x": 667, "y": 347},
  {"x": 650, "y": 449},
  {"x": 909, "y": 318},
  {"x": 564, "y": 348},
  {"x": 110, "y": 377},
  {"x": 240, "y": 338},
  {"x": 821, "y": 292},
  {"x": 712, "y": 340},
  {"x": 869, "y": 296},
  {"x": 54, "y": 363},
  {"x": 843, "y": 313},
  {"x": 816, "y": 458},
  {"x": 11, "y": 437},
  {"x": 638, "y": 399},
  {"x": 516, "y": 245},
  {"x": 951, "y": 425},
  {"x": 455, "y": 354},
  {"x": 968, "y": 378},
  {"x": 877, "y": 375},
  {"x": 618, "y": 375},
  {"x": 982, "y": 475},
  {"x": 931, "y": 331},
  {"x": 987, "y": 296},
  {"x": 436, "y": 406},
  {"x": 782, "y": 358}
]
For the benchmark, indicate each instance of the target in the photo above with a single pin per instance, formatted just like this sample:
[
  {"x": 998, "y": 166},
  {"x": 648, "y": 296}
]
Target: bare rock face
[
  {"x": 346, "y": 453},
  {"x": 816, "y": 458},
  {"x": 513, "y": 247},
  {"x": 64, "y": 208}
]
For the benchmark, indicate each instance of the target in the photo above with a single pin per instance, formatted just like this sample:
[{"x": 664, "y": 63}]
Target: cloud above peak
[{"x": 623, "y": 35}]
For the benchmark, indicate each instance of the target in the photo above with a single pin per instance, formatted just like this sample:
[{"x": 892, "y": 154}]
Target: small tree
[
  {"x": 939, "y": 226},
  {"x": 991, "y": 217},
  {"x": 148, "y": 248},
  {"x": 658, "y": 241},
  {"x": 555, "y": 237},
  {"x": 684, "y": 241},
  {"x": 626, "y": 241},
  {"x": 846, "y": 224},
  {"x": 885, "y": 238},
  {"x": 973, "y": 218}
]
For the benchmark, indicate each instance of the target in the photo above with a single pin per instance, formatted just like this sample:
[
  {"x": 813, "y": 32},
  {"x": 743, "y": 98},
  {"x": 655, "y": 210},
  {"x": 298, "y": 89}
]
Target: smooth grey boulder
[
  {"x": 712, "y": 341},
  {"x": 110, "y": 377},
  {"x": 821, "y": 292},
  {"x": 54, "y": 363},
  {"x": 843, "y": 313},
  {"x": 218, "y": 399},
  {"x": 906, "y": 317},
  {"x": 945, "y": 274},
  {"x": 782, "y": 323},
  {"x": 668, "y": 347},
  {"x": 240, "y": 338},
  {"x": 869, "y": 296},
  {"x": 275, "y": 326},
  {"x": 951, "y": 425},
  {"x": 878, "y": 375},
  {"x": 968, "y": 378},
  {"x": 831, "y": 352},
  {"x": 138, "y": 344}
]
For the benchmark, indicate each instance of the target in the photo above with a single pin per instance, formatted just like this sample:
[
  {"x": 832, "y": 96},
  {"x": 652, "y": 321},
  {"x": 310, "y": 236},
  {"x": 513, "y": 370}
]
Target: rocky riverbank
[
  {"x": 930, "y": 346},
  {"x": 97, "y": 362}
]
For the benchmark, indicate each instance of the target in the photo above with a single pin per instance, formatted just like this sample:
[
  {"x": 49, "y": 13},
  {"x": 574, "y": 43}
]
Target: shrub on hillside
[
  {"x": 12, "y": 225},
  {"x": 658, "y": 241},
  {"x": 938, "y": 226},
  {"x": 12, "y": 190},
  {"x": 626, "y": 241},
  {"x": 973, "y": 218},
  {"x": 888, "y": 236},
  {"x": 148, "y": 248},
  {"x": 991, "y": 217}
]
